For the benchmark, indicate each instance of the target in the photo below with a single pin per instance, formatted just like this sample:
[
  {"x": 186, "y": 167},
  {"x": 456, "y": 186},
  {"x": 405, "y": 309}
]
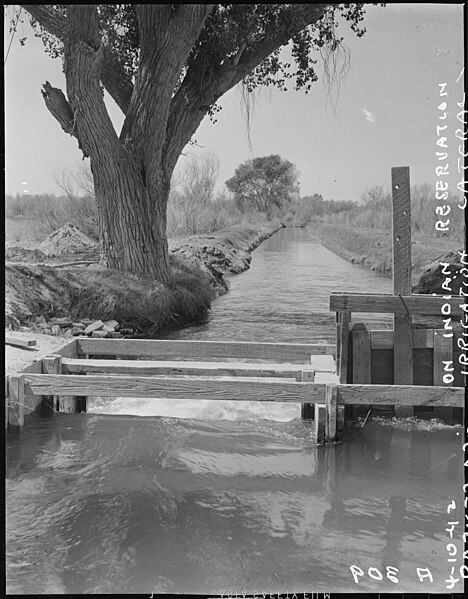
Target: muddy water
[{"x": 209, "y": 498}]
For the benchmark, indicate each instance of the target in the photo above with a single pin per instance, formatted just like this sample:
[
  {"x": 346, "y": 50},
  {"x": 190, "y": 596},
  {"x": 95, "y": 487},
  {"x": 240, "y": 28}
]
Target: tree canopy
[
  {"x": 265, "y": 182},
  {"x": 166, "y": 66}
]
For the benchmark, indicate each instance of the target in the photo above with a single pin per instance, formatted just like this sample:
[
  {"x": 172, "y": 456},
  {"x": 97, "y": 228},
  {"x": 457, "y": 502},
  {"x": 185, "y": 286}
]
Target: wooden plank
[
  {"x": 323, "y": 363},
  {"x": 16, "y": 400},
  {"x": 307, "y": 409},
  {"x": 332, "y": 413},
  {"x": 361, "y": 363},
  {"x": 174, "y": 388},
  {"x": 28, "y": 343},
  {"x": 443, "y": 351},
  {"x": 320, "y": 418},
  {"x": 53, "y": 365},
  {"x": 401, "y": 395},
  {"x": 402, "y": 323},
  {"x": 401, "y": 230},
  {"x": 361, "y": 357},
  {"x": 69, "y": 350},
  {"x": 169, "y": 350},
  {"x": 344, "y": 344},
  {"x": 428, "y": 305},
  {"x": 151, "y": 367},
  {"x": 422, "y": 338},
  {"x": 327, "y": 377}
]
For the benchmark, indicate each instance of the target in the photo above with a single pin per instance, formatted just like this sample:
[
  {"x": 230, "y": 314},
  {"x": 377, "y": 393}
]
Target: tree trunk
[{"x": 132, "y": 219}]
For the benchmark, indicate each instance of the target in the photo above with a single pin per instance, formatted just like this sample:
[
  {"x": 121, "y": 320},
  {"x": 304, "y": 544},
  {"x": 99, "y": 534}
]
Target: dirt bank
[
  {"x": 35, "y": 289},
  {"x": 373, "y": 249}
]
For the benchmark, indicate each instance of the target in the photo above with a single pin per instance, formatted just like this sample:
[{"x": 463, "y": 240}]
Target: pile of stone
[{"x": 86, "y": 327}]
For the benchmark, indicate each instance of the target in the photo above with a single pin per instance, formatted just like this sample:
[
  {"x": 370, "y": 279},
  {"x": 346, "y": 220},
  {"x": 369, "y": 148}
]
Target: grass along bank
[
  {"x": 91, "y": 291},
  {"x": 372, "y": 248}
]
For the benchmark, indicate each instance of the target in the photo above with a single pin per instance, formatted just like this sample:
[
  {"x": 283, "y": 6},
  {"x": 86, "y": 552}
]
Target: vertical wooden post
[
  {"x": 16, "y": 401},
  {"x": 340, "y": 422},
  {"x": 443, "y": 350},
  {"x": 332, "y": 413},
  {"x": 344, "y": 340},
  {"x": 307, "y": 409},
  {"x": 320, "y": 418},
  {"x": 361, "y": 362},
  {"x": 403, "y": 345},
  {"x": 65, "y": 403},
  {"x": 53, "y": 365}
]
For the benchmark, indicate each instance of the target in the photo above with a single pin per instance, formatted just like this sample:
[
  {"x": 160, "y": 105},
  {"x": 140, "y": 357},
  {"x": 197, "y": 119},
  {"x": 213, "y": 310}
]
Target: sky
[{"x": 386, "y": 113}]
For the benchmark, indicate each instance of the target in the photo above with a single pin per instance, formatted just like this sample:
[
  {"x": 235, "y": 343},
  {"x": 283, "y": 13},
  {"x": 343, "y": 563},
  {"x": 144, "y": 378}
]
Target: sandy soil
[{"x": 16, "y": 358}]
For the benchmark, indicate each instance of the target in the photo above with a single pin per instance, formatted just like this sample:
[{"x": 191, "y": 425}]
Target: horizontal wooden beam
[
  {"x": 26, "y": 343},
  {"x": 402, "y": 395},
  {"x": 164, "y": 349},
  {"x": 172, "y": 388},
  {"x": 166, "y": 367},
  {"x": 427, "y": 305},
  {"x": 238, "y": 390},
  {"x": 422, "y": 338}
]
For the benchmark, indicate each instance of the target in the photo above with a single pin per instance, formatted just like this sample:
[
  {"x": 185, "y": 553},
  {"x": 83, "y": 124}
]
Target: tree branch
[
  {"x": 113, "y": 76},
  {"x": 193, "y": 98}
]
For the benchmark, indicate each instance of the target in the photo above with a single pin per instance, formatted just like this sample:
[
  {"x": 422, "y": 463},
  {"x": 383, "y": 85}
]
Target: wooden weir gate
[{"x": 400, "y": 370}]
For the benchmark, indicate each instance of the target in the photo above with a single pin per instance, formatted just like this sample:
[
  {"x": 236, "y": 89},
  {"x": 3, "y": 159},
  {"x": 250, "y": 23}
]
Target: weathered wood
[
  {"x": 28, "y": 343},
  {"x": 332, "y": 415},
  {"x": 163, "y": 349},
  {"x": 16, "y": 400},
  {"x": 327, "y": 377},
  {"x": 422, "y": 338},
  {"x": 323, "y": 363},
  {"x": 428, "y": 305},
  {"x": 174, "y": 388},
  {"x": 69, "y": 350},
  {"x": 307, "y": 409},
  {"x": 443, "y": 351},
  {"x": 344, "y": 343},
  {"x": 361, "y": 357},
  {"x": 320, "y": 418},
  {"x": 402, "y": 324},
  {"x": 65, "y": 403},
  {"x": 401, "y": 230},
  {"x": 401, "y": 395},
  {"x": 340, "y": 420},
  {"x": 151, "y": 367}
]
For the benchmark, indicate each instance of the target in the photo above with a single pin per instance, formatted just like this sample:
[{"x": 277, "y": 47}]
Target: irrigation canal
[{"x": 201, "y": 497}]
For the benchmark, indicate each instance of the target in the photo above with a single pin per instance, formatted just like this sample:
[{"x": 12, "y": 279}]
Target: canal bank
[
  {"x": 372, "y": 249},
  {"x": 199, "y": 265}
]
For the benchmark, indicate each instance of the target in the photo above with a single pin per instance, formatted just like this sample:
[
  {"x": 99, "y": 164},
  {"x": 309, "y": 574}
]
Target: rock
[
  {"x": 108, "y": 329},
  {"x": 62, "y": 322},
  {"x": 99, "y": 334},
  {"x": 78, "y": 325},
  {"x": 126, "y": 331},
  {"x": 56, "y": 329},
  {"x": 95, "y": 326},
  {"x": 114, "y": 335},
  {"x": 112, "y": 323}
]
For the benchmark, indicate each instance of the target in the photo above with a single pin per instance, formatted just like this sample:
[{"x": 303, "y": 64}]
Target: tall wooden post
[
  {"x": 64, "y": 403},
  {"x": 403, "y": 344},
  {"x": 16, "y": 401}
]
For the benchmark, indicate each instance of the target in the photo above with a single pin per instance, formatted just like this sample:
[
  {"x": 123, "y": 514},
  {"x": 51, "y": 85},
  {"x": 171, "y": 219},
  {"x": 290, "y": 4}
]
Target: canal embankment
[
  {"x": 372, "y": 248},
  {"x": 39, "y": 288}
]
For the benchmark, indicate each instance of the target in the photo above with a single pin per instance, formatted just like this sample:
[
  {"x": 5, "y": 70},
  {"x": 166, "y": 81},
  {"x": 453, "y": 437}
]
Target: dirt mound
[
  {"x": 432, "y": 277},
  {"x": 66, "y": 241},
  {"x": 19, "y": 254}
]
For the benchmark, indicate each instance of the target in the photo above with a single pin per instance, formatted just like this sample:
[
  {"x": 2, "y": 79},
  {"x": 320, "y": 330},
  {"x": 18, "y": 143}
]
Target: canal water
[{"x": 204, "y": 497}]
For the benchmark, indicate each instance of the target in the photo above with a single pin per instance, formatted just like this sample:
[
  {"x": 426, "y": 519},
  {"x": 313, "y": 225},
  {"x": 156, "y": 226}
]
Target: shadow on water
[{"x": 241, "y": 501}]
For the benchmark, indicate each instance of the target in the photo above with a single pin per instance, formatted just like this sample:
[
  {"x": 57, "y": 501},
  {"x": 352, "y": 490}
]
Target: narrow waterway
[{"x": 200, "y": 497}]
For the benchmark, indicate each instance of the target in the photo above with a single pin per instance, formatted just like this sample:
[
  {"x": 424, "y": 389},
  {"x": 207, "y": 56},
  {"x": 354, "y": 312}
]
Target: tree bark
[{"x": 132, "y": 219}]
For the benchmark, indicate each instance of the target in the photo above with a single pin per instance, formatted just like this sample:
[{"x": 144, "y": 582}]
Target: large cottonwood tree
[{"x": 165, "y": 65}]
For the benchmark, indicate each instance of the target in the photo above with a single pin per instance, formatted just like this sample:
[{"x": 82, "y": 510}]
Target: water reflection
[{"x": 135, "y": 505}]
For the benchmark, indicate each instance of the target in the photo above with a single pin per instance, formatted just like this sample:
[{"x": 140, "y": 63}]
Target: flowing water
[{"x": 154, "y": 496}]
